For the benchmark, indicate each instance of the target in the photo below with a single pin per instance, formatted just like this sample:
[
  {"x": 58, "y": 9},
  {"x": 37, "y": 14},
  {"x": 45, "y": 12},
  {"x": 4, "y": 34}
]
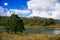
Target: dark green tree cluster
[
  {"x": 28, "y": 21},
  {"x": 39, "y": 21},
  {"x": 44, "y": 21},
  {"x": 14, "y": 24}
]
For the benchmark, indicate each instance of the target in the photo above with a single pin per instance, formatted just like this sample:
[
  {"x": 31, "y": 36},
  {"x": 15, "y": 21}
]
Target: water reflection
[
  {"x": 39, "y": 31},
  {"x": 56, "y": 31}
]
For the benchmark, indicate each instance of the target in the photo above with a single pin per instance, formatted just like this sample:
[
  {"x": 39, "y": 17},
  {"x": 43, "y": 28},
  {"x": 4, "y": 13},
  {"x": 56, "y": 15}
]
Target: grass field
[
  {"x": 6, "y": 36},
  {"x": 43, "y": 27}
]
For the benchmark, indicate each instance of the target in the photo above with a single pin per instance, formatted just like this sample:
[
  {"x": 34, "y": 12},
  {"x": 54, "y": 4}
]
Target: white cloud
[
  {"x": 20, "y": 11},
  {"x": 5, "y": 3},
  {"x": 56, "y": 13},
  {"x": 6, "y": 12},
  {"x": 16, "y": 11},
  {"x": 1, "y": 10},
  {"x": 33, "y": 4},
  {"x": 44, "y": 8}
]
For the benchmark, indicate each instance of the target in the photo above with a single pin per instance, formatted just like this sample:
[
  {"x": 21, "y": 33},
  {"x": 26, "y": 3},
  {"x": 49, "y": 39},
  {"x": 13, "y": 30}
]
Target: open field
[
  {"x": 6, "y": 36},
  {"x": 43, "y": 27}
]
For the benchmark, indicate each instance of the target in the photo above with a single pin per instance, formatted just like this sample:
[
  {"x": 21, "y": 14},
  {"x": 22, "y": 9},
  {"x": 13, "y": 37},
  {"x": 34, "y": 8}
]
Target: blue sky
[
  {"x": 15, "y": 4},
  {"x": 30, "y": 8}
]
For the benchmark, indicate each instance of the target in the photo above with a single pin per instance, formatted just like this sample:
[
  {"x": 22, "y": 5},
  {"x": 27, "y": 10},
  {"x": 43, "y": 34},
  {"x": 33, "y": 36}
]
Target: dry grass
[
  {"x": 43, "y": 27},
  {"x": 6, "y": 36},
  {"x": 2, "y": 27}
]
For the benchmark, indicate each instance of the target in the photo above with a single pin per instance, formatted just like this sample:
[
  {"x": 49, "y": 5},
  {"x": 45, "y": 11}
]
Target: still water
[
  {"x": 43, "y": 31},
  {"x": 39, "y": 31}
]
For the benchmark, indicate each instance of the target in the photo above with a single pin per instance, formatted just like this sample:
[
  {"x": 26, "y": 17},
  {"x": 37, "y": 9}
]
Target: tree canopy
[{"x": 14, "y": 24}]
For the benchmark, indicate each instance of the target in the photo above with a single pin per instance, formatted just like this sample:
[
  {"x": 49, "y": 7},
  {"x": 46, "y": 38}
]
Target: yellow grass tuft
[{"x": 6, "y": 36}]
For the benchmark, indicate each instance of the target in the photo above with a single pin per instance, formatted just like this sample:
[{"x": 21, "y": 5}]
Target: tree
[
  {"x": 48, "y": 21},
  {"x": 15, "y": 24},
  {"x": 52, "y": 21}
]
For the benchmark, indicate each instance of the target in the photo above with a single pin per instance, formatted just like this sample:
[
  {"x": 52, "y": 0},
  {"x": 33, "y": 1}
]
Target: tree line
[{"x": 38, "y": 21}]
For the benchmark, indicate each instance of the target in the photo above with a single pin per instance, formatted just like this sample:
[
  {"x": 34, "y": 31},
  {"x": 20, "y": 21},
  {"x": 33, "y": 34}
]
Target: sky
[{"x": 30, "y": 8}]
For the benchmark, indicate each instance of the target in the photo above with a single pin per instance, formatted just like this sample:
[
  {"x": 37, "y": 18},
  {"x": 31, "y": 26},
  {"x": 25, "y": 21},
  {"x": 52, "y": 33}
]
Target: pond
[
  {"x": 39, "y": 31},
  {"x": 2, "y": 30},
  {"x": 42, "y": 31}
]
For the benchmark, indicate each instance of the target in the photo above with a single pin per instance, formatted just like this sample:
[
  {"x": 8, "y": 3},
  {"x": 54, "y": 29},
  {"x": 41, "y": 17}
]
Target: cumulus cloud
[
  {"x": 5, "y": 3},
  {"x": 6, "y": 12},
  {"x": 56, "y": 13},
  {"x": 16, "y": 11},
  {"x": 44, "y": 8},
  {"x": 33, "y": 4}
]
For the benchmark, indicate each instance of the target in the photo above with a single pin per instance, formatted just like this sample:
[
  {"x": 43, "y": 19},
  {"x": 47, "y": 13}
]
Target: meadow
[
  {"x": 57, "y": 25},
  {"x": 6, "y": 36}
]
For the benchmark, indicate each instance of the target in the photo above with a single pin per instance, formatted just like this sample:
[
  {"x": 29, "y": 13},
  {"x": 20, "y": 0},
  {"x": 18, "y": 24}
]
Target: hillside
[{"x": 34, "y": 22}]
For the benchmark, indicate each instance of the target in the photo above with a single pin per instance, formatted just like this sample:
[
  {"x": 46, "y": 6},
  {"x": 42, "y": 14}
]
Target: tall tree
[{"x": 15, "y": 24}]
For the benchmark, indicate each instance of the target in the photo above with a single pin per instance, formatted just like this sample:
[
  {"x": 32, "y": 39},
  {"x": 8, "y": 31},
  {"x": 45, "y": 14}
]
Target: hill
[{"x": 34, "y": 22}]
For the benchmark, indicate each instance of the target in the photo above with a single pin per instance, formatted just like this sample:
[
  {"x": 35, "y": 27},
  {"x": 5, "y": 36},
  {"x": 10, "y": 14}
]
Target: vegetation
[
  {"x": 34, "y": 21},
  {"x": 38, "y": 21},
  {"x": 6, "y": 36},
  {"x": 14, "y": 24},
  {"x": 3, "y": 20},
  {"x": 31, "y": 21}
]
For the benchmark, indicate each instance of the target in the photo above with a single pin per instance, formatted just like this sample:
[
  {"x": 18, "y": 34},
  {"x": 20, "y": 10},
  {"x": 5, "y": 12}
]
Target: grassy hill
[{"x": 34, "y": 22}]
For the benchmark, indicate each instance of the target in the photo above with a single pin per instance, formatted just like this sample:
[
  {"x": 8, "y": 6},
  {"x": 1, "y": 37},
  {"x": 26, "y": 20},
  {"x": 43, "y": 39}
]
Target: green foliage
[
  {"x": 14, "y": 24},
  {"x": 43, "y": 21},
  {"x": 28, "y": 21},
  {"x": 3, "y": 20}
]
